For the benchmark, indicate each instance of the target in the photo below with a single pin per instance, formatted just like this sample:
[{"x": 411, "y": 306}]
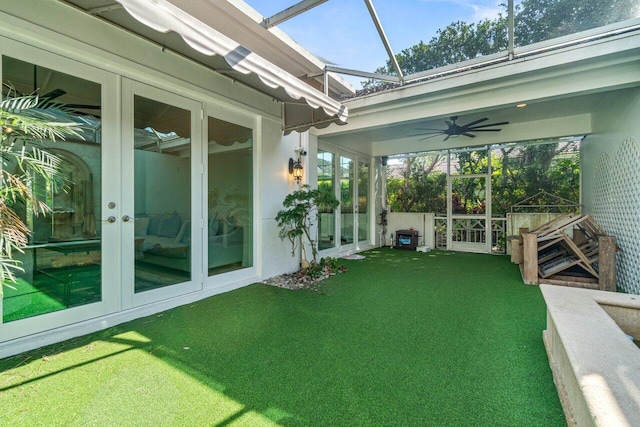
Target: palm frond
[
  {"x": 18, "y": 104},
  {"x": 13, "y": 231},
  {"x": 38, "y": 118}
]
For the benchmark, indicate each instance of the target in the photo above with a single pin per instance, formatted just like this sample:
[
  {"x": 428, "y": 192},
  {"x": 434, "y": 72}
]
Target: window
[{"x": 230, "y": 197}]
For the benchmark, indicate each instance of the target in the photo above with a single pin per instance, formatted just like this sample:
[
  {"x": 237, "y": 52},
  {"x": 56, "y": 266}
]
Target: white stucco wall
[
  {"x": 275, "y": 184},
  {"x": 611, "y": 178},
  {"x": 422, "y": 222}
]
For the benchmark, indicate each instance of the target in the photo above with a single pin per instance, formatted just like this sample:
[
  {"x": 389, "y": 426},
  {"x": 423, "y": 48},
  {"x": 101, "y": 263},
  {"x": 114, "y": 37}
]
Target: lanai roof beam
[
  {"x": 290, "y": 12},
  {"x": 383, "y": 37}
]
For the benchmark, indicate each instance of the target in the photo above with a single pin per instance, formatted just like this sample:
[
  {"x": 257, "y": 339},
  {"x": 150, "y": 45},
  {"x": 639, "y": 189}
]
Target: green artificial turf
[
  {"x": 51, "y": 290},
  {"x": 401, "y": 339}
]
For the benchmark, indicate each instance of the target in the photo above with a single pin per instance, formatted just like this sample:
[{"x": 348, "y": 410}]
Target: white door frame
[
  {"x": 484, "y": 247},
  {"x": 109, "y": 152}
]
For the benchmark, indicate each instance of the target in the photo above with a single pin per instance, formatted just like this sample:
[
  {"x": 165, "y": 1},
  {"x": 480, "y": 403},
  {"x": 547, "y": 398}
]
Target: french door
[
  {"x": 348, "y": 227},
  {"x": 71, "y": 261},
  {"x": 362, "y": 203},
  {"x": 155, "y": 197},
  {"x": 161, "y": 241},
  {"x": 348, "y": 205}
]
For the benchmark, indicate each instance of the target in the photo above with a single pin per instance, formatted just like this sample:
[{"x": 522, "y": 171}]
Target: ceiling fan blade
[
  {"x": 486, "y": 130},
  {"x": 441, "y": 130},
  {"x": 56, "y": 93},
  {"x": 431, "y": 136},
  {"x": 468, "y": 134},
  {"x": 475, "y": 122},
  {"x": 490, "y": 124},
  {"x": 83, "y": 106},
  {"x": 448, "y": 136}
]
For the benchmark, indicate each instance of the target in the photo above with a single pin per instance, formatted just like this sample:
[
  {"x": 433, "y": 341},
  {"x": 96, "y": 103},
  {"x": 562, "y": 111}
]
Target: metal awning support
[
  {"x": 169, "y": 15},
  {"x": 383, "y": 37},
  {"x": 102, "y": 9},
  {"x": 290, "y": 12},
  {"x": 510, "y": 15},
  {"x": 357, "y": 73}
]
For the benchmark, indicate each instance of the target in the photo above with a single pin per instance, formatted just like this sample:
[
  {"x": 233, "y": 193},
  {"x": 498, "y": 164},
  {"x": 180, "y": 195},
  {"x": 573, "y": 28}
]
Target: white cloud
[{"x": 480, "y": 9}]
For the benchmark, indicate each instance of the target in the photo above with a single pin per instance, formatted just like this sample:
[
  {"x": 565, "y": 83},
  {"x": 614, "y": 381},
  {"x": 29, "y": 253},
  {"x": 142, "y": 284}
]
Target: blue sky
[{"x": 341, "y": 31}]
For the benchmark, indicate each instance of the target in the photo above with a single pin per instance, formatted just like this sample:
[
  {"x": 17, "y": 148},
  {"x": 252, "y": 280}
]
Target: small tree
[
  {"x": 300, "y": 213},
  {"x": 25, "y": 122}
]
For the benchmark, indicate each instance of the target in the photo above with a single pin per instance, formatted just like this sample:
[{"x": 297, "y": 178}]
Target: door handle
[
  {"x": 126, "y": 218},
  {"x": 111, "y": 219}
]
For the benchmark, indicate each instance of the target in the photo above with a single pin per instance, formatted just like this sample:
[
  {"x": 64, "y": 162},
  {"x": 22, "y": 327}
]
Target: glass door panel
[
  {"x": 230, "y": 197},
  {"x": 347, "y": 193},
  {"x": 162, "y": 194},
  {"x": 363, "y": 202},
  {"x": 62, "y": 261},
  {"x": 326, "y": 216}
]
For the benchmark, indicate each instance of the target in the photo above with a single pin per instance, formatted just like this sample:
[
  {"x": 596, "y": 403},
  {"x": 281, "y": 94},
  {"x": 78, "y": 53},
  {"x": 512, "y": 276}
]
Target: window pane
[
  {"x": 326, "y": 182},
  {"x": 468, "y": 196},
  {"x": 537, "y": 21},
  {"x": 469, "y": 162},
  {"x": 230, "y": 197},
  {"x": 536, "y": 177},
  {"x": 62, "y": 260},
  {"x": 418, "y": 184},
  {"x": 162, "y": 191}
]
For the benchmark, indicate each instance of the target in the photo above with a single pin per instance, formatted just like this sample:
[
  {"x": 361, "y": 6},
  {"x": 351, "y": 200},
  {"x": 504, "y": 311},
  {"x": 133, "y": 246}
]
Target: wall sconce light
[{"x": 295, "y": 169}]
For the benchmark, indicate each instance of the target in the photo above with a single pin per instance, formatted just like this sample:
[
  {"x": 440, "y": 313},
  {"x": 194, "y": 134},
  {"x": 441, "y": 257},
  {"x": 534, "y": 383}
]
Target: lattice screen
[{"x": 617, "y": 209}]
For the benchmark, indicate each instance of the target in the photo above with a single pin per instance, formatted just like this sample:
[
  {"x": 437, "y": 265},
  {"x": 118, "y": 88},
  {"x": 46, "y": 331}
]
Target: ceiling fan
[{"x": 453, "y": 129}]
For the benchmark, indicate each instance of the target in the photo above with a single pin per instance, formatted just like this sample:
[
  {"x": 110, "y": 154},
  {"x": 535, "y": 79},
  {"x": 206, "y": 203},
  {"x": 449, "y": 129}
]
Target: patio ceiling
[
  {"x": 561, "y": 88},
  {"x": 200, "y": 30}
]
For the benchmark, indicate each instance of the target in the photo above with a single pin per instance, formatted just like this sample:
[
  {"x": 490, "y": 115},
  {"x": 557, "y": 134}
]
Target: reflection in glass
[
  {"x": 230, "y": 197},
  {"x": 363, "y": 202},
  {"x": 346, "y": 199},
  {"x": 62, "y": 261},
  {"x": 326, "y": 217},
  {"x": 539, "y": 21},
  {"x": 162, "y": 194}
]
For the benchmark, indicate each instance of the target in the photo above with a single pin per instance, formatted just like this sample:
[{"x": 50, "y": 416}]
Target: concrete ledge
[{"x": 595, "y": 365}]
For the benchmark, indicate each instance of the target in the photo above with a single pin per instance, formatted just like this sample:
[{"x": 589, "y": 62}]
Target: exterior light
[
  {"x": 295, "y": 169},
  {"x": 521, "y": 105}
]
